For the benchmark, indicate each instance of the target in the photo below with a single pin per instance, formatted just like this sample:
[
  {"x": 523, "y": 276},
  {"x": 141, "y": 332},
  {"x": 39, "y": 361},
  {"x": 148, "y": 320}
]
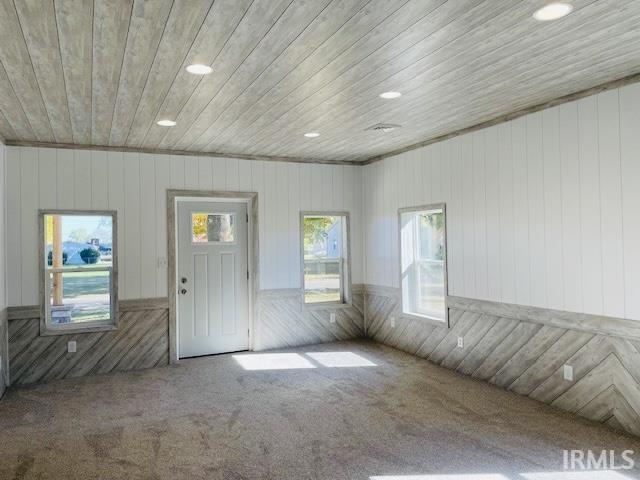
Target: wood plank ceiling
[{"x": 104, "y": 72}]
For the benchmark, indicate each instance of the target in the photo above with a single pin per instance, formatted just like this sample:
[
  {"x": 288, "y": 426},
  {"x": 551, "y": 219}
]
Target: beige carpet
[{"x": 373, "y": 412}]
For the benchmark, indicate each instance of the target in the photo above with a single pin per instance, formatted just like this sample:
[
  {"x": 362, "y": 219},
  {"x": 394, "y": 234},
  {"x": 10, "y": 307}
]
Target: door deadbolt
[{"x": 183, "y": 279}]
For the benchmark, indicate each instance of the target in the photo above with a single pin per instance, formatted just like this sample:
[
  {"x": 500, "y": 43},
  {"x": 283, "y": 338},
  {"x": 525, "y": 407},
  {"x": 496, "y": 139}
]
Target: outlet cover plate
[
  {"x": 568, "y": 373},
  {"x": 71, "y": 346},
  {"x": 460, "y": 342}
]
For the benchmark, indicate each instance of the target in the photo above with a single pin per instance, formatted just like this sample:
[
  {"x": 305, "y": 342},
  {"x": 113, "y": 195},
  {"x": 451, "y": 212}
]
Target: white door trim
[{"x": 251, "y": 199}]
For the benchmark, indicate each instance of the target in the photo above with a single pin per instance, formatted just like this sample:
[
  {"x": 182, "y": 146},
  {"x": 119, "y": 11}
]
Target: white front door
[{"x": 212, "y": 270}]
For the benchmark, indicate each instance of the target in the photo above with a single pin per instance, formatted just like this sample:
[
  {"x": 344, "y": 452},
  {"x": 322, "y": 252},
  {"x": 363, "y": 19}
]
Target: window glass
[
  {"x": 86, "y": 296},
  {"x": 324, "y": 258},
  {"x": 78, "y": 269},
  {"x": 86, "y": 240},
  {"x": 423, "y": 262},
  {"x": 213, "y": 228}
]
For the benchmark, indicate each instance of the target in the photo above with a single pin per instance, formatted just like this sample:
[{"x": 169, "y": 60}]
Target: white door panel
[{"x": 212, "y": 266}]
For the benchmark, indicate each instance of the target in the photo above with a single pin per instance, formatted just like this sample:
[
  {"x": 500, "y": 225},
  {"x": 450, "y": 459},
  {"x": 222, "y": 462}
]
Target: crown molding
[
  {"x": 630, "y": 79},
  {"x": 110, "y": 148},
  {"x": 621, "y": 82}
]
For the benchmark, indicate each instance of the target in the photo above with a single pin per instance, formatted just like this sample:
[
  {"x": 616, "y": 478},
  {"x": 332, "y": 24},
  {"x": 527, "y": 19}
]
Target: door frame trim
[{"x": 251, "y": 198}]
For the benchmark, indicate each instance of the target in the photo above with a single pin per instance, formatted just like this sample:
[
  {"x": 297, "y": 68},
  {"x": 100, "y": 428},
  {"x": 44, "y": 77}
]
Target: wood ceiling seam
[
  {"x": 34, "y": 78},
  {"x": 270, "y": 89},
  {"x": 410, "y": 120},
  {"x": 93, "y": 36},
  {"x": 393, "y": 110},
  {"x": 162, "y": 142},
  {"x": 226, "y": 41},
  {"x": 263, "y": 70},
  {"x": 155, "y": 54},
  {"x": 182, "y": 145},
  {"x": 124, "y": 53},
  {"x": 19, "y": 104},
  {"x": 455, "y": 69},
  {"x": 76, "y": 56},
  {"x": 261, "y": 129},
  {"x": 130, "y": 90},
  {"x": 38, "y": 27},
  {"x": 4, "y": 122},
  {"x": 530, "y": 101},
  {"x": 110, "y": 33},
  {"x": 323, "y": 67},
  {"x": 177, "y": 71},
  {"x": 64, "y": 80},
  {"x": 309, "y": 110},
  {"x": 320, "y": 143}
]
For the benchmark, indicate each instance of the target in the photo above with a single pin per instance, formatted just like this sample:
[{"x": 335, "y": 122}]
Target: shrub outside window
[
  {"x": 78, "y": 271},
  {"x": 423, "y": 262}
]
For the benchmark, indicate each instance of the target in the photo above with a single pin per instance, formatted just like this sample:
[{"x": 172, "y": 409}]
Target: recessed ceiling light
[
  {"x": 312, "y": 134},
  {"x": 389, "y": 95},
  {"x": 166, "y": 123},
  {"x": 553, "y": 11},
  {"x": 199, "y": 69}
]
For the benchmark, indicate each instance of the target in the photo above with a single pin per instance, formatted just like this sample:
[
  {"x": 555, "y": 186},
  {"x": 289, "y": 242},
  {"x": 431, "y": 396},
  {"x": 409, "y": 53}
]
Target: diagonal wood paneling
[
  {"x": 141, "y": 341},
  {"x": 4, "y": 350},
  {"x": 284, "y": 322},
  {"x": 104, "y": 72},
  {"x": 524, "y": 355}
]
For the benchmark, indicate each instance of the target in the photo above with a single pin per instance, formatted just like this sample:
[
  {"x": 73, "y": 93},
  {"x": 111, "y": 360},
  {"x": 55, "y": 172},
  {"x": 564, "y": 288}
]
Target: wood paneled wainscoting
[
  {"x": 283, "y": 320},
  {"x": 4, "y": 351},
  {"x": 140, "y": 341},
  {"x": 524, "y": 349},
  {"x": 142, "y": 337}
]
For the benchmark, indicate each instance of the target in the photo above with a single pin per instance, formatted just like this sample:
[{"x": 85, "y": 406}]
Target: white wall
[
  {"x": 135, "y": 185},
  {"x": 3, "y": 227},
  {"x": 4, "y": 333},
  {"x": 543, "y": 210}
]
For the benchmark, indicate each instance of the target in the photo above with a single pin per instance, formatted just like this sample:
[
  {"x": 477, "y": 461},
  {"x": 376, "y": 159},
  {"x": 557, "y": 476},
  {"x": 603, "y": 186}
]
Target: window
[
  {"x": 213, "y": 228},
  {"x": 78, "y": 269},
  {"x": 423, "y": 254},
  {"x": 325, "y": 266}
]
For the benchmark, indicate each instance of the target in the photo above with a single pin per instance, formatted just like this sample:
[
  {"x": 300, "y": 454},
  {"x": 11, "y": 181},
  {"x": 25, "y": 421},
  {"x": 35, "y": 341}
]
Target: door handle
[{"x": 183, "y": 291}]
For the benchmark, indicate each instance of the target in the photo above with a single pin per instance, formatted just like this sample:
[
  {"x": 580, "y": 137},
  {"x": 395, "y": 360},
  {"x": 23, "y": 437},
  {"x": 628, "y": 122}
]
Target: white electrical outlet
[
  {"x": 332, "y": 318},
  {"x": 568, "y": 373},
  {"x": 392, "y": 320},
  {"x": 71, "y": 346},
  {"x": 460, "y": 342},
  {"x": 162, "y": 262}
]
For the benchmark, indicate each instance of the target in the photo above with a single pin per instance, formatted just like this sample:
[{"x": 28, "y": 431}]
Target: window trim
[
  {"x": 345, "y": 287},
  {"x": 47, "y": 329},
  {"x": 425, "y": 318}
]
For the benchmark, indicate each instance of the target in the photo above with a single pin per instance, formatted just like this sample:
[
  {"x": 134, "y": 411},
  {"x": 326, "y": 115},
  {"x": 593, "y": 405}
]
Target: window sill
[
  {"x": 73, "y": 330},
  {"x": 427, "y": 320},
  {"x": 326, "y": 305}
]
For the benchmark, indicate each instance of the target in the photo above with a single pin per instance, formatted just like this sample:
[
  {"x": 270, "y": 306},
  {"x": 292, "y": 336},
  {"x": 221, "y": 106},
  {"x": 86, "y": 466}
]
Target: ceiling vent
[{"x": 382, "y": 127}]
